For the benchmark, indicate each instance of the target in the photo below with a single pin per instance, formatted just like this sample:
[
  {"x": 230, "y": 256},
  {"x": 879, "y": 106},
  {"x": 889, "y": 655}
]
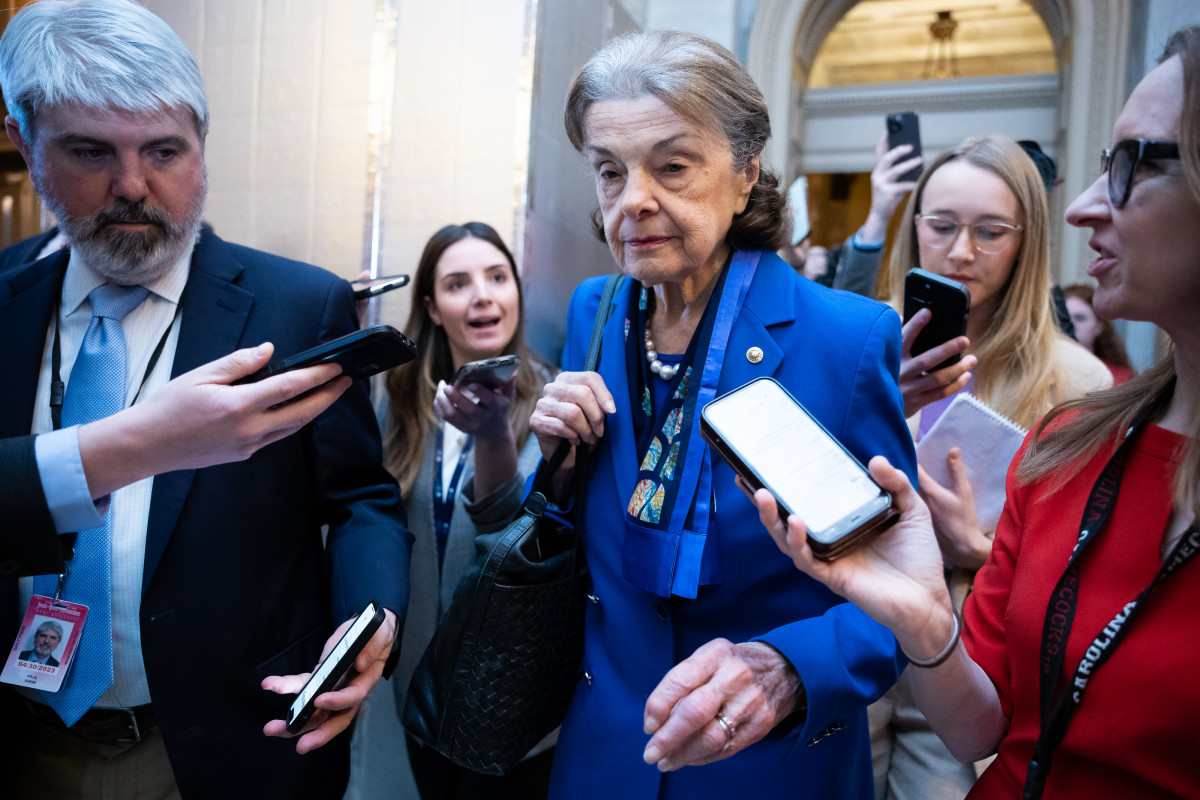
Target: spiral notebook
[{"x": 988, "y": 441}]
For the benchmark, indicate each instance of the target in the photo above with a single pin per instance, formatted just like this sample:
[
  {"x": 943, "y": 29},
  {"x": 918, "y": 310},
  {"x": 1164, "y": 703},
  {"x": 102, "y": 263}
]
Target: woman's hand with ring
[{"x": 751, "y": 686}]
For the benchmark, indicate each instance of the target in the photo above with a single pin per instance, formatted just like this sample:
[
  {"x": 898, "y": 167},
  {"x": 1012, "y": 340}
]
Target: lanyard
[
  {"x": 1060, "y": 613},
  {"x": 443, "y": 503},
  {"x": 58, "y": 389}
]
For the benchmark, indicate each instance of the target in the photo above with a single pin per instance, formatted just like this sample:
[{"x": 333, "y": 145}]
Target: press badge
[{"x": 45, "y": 645}]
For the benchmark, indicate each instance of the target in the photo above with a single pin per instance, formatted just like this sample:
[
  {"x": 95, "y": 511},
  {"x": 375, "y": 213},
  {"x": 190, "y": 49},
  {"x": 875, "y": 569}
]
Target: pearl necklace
[{"x": 664, "y": 371}]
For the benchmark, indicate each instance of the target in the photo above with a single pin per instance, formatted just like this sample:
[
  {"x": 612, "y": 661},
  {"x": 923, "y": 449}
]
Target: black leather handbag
[{"x": 504, "y": 662}]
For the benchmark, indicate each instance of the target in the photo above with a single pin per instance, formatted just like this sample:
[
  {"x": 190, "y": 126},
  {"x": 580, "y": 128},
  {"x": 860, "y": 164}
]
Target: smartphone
[
  {"x": 361, "y": 354},
  {"x": 490, "y": 372},
  {"x": 334, "y": 666},
  {"x": 949, "y": 302},
  {"x": 904, "y": 128},
  {"x": 772, "y": 442},
  {"x": 369, "y": 288}
]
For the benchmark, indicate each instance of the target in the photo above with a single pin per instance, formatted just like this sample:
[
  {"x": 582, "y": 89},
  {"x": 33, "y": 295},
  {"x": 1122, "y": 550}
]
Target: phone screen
[
  {"x": 799, "y": 462},
  {"x": 338, "y": 660}
]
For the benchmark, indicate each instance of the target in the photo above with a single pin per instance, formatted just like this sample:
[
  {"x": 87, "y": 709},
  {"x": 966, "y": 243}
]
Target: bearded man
[{"x": 218, "y": 589}]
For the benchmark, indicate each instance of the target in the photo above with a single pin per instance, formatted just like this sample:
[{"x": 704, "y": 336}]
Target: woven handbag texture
[
  {"x": 501, "y": 668},
  {"x": 500, "y": 671},
  {"x": 499, "y": 718}
]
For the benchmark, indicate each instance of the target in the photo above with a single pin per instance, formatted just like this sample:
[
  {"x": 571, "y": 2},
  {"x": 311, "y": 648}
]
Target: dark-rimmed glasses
[
  {"x": 987, "y": 237},
  {"x": 1121, "y": 164}
]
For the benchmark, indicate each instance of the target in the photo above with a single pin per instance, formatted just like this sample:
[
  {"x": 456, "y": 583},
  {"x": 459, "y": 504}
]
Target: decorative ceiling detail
[{"x": 884, "y": 41}]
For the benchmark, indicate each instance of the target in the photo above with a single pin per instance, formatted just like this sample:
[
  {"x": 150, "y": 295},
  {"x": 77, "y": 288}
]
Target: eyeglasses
[
  {"x": 987, "y": 237},
  {"x": 1121, "y": 164}
]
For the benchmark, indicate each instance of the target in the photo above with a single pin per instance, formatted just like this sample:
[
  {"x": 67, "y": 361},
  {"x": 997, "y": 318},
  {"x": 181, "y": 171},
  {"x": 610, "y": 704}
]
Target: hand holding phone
[
  {"x": 772, "y": 442},
  {"x": 489, "y": 372},
  {"x": 904, "y": 128},
  {"x": 334, "y": 666},
  {"x": 949, "y": 303},
  {"x": 361, "y": 354},
  {"x": 365, "y": 289}
]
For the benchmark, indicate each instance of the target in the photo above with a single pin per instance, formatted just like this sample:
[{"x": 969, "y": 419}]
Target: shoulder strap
[{"x": 603, "y": 312}]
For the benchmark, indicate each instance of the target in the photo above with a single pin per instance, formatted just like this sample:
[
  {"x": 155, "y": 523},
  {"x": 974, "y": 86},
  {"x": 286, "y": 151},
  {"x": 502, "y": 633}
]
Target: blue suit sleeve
[
  {"x": 843, "y": 657},
  {"x": 368, "y": 544}
]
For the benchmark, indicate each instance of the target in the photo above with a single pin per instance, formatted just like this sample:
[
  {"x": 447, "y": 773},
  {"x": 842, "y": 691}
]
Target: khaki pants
[
  {"x": 55, "y": 763},
  {"x": 909, "y": 760}
]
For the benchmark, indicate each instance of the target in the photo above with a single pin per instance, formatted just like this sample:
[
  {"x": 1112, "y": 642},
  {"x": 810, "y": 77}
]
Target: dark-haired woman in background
[
  {"x": 1095, "y": 333},
  {"x": 461, "y": 457}
]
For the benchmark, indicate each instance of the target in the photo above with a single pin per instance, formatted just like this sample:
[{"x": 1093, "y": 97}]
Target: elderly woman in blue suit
[{"x": 766, "y": 672}]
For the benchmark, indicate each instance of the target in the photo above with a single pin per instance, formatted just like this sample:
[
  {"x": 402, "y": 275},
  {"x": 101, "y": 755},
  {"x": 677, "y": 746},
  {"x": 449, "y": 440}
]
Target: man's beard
[{"x": 129, "y": 257}]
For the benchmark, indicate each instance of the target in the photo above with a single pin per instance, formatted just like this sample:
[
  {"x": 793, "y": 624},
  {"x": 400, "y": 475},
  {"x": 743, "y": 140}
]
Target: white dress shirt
[{"x": 144, "y": 327}]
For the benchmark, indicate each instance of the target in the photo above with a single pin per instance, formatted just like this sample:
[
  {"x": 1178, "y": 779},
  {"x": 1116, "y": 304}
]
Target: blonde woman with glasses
[{"x": 979, "y": 215}]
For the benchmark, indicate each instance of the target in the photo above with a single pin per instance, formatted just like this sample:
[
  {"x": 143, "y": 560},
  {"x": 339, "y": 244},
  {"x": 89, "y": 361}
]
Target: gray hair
[
  {"x": 96, "y": 54},
  {"x": 50, "y": 625},
  {"x": 703, "y": 82}
]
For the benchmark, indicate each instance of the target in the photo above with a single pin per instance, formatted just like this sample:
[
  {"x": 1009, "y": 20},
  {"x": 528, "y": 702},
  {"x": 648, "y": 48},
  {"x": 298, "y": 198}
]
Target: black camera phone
[
  {"x": 489, "y": 372},
  {"x": 949, "y": 302},
  {"x": 904, "y": 128},
  {"x": 361, "y": 354}
]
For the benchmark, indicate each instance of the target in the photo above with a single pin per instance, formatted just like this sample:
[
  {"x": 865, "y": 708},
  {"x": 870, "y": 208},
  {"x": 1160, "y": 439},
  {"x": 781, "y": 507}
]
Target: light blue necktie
[{"x": 96, "y": 389}]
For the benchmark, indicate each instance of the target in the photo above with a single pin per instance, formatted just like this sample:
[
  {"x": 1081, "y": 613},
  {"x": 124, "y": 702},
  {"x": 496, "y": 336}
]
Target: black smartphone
[
  {"x": 490, "y": 372},
  {"x": 375, "y": 286},
  {"x": 361, "y": 354},
  {"x": 904, "y": 128},
  {"x": 772, "y": 442},
  {"x": 949, "y": 302},
  {"x": 334, "y": 666}
]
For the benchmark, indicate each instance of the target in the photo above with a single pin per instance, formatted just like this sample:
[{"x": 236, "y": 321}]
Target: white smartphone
[
  {"x": 772, "y": 441},
  {"x": 334, "y": 666}
]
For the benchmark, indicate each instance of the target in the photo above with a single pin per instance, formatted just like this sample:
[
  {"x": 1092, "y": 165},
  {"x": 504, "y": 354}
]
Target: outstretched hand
[
  {"x": 336, "y": 709},
  {"x": 896, "y": 578},
  {"x": 955, "y": 521},
  {"x": 198, "y": 419}
]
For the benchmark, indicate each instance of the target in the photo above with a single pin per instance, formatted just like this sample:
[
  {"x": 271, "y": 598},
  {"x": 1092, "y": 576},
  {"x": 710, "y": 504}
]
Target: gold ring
[{"x": 728, "y": 729}]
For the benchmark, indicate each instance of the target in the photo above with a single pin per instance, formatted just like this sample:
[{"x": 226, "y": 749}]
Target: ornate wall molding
[{"x": 1001, "y": 91}]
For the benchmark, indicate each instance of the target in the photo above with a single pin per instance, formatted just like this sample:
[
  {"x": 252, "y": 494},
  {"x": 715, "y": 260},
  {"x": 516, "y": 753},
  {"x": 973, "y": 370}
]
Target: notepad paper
[{"x": 988, "y": 441}]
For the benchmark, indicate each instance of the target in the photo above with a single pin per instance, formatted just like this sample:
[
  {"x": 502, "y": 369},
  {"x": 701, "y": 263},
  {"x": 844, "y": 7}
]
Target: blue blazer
[
  {"x": 839, "y": 354},
  {"x": 237, "y": 584}
]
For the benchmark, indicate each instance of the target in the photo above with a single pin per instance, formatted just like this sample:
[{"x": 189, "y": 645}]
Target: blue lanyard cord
[{"x": 443, "y": 502}]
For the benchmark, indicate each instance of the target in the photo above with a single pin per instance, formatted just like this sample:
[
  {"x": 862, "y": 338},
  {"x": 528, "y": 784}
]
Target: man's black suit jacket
[
  {"x": 238, "y": 583},
  {"x": 51, "y": 661}
]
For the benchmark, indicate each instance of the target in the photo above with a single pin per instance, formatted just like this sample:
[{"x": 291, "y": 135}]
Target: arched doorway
[{"x": 1091, "y": 43}]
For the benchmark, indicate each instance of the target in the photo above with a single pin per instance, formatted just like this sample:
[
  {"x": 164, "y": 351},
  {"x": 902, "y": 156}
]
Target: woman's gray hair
[
  {"x": 703, "y": 82},
  {"x": 96, "y": 54}
]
